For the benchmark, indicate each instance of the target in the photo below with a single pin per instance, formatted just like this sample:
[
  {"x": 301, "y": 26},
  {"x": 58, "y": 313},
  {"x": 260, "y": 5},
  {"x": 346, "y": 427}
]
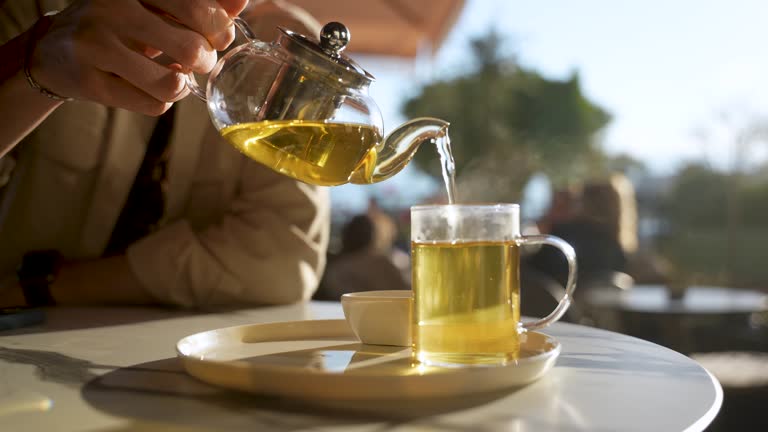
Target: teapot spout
[{"x": 398, "y": 148}]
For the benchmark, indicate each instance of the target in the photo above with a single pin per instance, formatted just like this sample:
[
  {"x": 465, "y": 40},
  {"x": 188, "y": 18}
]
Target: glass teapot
[{"x": 302, "y": 108}]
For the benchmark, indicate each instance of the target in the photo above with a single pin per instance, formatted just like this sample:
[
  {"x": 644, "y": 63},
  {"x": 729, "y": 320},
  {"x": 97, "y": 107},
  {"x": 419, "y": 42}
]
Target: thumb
[{"x": 233, "y": 7}]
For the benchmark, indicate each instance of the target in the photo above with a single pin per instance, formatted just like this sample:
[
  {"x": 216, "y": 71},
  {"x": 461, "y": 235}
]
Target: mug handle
[
  {"x": 192, "y": 84},
  {"x": 570, "y": 285}
]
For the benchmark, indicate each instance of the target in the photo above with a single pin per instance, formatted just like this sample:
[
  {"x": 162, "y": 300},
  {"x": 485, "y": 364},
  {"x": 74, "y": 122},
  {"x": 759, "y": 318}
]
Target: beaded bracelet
[{"x": 40, "y": 27}]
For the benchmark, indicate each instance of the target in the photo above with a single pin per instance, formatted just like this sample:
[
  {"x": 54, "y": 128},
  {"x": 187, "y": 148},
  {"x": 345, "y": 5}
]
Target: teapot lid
[{"x": 326, "y": 55}]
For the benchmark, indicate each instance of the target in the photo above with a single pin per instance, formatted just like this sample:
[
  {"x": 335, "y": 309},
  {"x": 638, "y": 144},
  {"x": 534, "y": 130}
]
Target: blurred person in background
[
  {"x": 365, "y": 261},
  {"x": 563, "y": 208},
  {"x": 388, "y": 232},
  {"x": 601, "y": 224},
  {"x": 103, "y": 203}
]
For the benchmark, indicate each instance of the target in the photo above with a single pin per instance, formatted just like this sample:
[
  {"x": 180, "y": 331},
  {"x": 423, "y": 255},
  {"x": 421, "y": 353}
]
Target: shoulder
[{"x": 579, "y": 227}]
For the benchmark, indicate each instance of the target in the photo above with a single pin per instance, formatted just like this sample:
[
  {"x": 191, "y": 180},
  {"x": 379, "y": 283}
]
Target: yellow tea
[
  {"x": 315, "y": 152},
  {"x": 466, "y": 302}
]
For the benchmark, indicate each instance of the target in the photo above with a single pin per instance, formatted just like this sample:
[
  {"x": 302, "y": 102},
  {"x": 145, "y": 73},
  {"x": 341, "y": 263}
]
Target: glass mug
[{"x": 466, "y": 283}]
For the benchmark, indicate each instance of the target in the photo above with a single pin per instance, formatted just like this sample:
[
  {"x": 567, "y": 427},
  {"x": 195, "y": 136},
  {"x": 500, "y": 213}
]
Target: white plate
[{"x": 323, "y": 360}]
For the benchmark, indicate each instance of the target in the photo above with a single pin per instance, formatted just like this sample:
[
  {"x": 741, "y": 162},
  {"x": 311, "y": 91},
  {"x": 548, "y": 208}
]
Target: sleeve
[
  {"x": 15, "y": 17},
  {"x": 269, "y": 248}
]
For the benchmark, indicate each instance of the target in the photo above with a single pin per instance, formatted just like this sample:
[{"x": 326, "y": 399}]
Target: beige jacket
[{"x": 234, "y": 232}]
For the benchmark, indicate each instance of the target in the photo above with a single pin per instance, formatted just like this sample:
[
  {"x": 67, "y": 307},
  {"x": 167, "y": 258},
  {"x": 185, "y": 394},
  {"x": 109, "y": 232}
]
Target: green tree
[
  {"x": 755, "y": 203},
  {"x": 696, "y": 198},
  {"x": 508, "y": 122},
  {"x": 716, "y": 225}
]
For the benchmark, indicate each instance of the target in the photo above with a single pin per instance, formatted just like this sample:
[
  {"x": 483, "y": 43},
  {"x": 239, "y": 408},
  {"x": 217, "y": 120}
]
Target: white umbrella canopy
[{"x": 398, "y": 28}]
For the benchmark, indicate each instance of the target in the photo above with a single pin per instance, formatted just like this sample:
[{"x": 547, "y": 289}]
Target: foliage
[
  {"x": 696, "y": 198},
  {"x": 702, "y": 197},
  {"x": 716, "y": 225},
  {"x": 754, "y": 199},
  {"x": 508, "y": 122}
]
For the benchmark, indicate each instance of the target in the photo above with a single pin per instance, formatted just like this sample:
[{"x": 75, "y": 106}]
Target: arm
[
  {"x": 19, "y": 119},
  {"x": 29, "y": 106},
  {"x": 269, "y": 248},
  {"x": 104, "y": 51},
  {"x": 102, "y": 281},
  {"x": 93, "y": 282}
]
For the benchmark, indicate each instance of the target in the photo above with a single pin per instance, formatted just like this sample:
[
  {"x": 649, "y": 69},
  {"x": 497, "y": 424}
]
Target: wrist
[
  {"x": 17, "y": 57},
  {"x": 30, "y": 67},
  {"x": 29, "y": 94},
  {"x": 38, "y": 270}
]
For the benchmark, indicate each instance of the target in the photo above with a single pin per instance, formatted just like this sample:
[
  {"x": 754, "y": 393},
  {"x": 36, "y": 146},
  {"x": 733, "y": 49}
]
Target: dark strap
[
  {"x": 145, "y": 204},
  {"x": 38, "y": 270}
]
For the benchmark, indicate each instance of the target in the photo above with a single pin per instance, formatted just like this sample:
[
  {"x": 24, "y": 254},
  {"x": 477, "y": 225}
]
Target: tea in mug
[
  {"x": 466, "y": 302},
  {"x": 315, "y": 152}
]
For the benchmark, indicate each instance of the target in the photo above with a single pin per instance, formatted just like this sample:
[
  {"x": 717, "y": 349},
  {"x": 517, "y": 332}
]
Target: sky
[{"x": 665, "y": 70}]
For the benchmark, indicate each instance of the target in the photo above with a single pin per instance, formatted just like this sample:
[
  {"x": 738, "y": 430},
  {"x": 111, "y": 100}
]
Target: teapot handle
[{"x": 192, "y": 84}]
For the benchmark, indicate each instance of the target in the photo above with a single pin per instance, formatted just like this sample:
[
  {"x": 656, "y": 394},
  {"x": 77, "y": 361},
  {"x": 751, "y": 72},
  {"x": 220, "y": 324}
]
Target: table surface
[
  {"x": 696, "y": 300},
  {"x": 114, "y": 369}
]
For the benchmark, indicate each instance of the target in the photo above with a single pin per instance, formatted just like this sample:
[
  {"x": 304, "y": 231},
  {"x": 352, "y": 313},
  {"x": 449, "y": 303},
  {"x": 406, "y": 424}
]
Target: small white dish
[
  {"x": 322, "y": 360},
  {"x": 380, "y": 317}
]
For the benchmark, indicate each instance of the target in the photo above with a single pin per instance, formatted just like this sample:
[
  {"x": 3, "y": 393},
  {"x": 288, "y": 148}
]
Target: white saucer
[{"x": 323, "y": 360}]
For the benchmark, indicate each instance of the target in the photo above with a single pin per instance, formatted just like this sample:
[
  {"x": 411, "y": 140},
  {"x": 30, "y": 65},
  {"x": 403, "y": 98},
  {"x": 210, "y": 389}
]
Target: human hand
[{"x": 105, "y": 51}]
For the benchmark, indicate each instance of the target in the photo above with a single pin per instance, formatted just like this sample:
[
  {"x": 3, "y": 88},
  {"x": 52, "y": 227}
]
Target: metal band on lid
[{"x": 326, "y": 55}]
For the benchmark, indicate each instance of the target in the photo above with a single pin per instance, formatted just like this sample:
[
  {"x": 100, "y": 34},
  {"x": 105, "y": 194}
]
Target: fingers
[
  {"x": 161, "y": 83},
  {"x": 185, "y": 46},
  {"x": 111, "y": 52},
  {"x": 111, "y": 90},
  {"x": 109, "y": 55},
  {"x": 206, "y": 17}
]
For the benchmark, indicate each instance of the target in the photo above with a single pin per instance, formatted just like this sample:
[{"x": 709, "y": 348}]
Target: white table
[
  {"x": 115, "y": 370},
  {"x": 653, "y": 299}
]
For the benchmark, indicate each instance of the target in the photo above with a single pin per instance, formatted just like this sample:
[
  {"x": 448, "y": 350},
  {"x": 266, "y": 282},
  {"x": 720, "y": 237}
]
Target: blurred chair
[
  {"x": 540, "y": 293},
  {"x": 608, "y": 279}
]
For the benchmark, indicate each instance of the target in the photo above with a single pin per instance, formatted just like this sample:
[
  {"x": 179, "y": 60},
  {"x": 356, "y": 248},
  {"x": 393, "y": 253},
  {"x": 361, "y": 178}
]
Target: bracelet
[{"x": 40, "y": 27}]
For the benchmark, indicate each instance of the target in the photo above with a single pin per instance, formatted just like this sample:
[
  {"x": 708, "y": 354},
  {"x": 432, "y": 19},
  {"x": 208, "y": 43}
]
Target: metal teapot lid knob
[{"x": 334, "y": 37}]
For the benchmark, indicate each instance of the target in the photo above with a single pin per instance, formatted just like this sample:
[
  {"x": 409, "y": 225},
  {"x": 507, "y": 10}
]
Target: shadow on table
[
  {"x": 161, "y": 391},
  {"x": 61, "y": 318}
]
